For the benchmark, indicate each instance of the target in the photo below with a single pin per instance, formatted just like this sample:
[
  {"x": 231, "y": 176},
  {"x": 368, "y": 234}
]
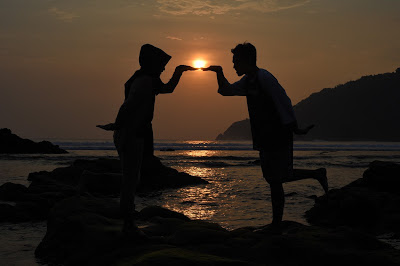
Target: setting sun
[{"x": 199, "y": 63}]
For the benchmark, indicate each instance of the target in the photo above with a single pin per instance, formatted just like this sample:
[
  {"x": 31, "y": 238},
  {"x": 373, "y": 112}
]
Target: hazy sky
[{"x": 63, "y": 63}]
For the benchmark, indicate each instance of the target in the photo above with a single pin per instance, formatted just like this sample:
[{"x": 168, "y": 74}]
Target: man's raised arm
[{"x": 224, "y": 87}]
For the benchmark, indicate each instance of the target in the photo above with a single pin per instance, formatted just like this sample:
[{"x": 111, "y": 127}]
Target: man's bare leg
[{"x": 317, "y": 174}]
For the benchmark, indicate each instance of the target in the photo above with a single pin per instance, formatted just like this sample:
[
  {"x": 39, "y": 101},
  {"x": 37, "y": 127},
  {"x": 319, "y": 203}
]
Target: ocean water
[{"x": 236, "y": 196}]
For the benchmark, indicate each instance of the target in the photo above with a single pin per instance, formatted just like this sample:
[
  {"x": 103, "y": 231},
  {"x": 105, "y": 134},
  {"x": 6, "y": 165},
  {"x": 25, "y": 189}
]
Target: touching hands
[{"x": 182, "y": 68}]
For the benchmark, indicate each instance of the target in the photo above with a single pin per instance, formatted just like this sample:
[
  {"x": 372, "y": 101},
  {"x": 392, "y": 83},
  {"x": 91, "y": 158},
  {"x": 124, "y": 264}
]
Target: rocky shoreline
[
  {"x": 85, "y": 228},
  {"x": 369, "y": 204}
]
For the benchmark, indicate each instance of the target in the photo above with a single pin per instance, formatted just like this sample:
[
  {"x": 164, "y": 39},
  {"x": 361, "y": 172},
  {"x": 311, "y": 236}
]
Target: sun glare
[{"x": 198, "y": 63}]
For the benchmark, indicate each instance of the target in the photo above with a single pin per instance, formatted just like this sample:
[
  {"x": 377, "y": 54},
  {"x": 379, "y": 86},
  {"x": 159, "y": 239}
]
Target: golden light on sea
[{"x": 199, "y": 63}]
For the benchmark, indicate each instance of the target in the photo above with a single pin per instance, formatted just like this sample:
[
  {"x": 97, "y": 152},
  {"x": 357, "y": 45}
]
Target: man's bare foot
[{"x": 132, "y": 232}]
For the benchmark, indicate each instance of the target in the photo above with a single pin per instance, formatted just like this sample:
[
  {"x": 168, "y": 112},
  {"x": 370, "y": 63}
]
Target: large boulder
[
  {"x": 11, "y": 143},
  {"x": 102, "y": 177},
  {"x": 84, "y": 230},
  {"x": 371, "y": 203},
  {"x": 10, "y": 191}
]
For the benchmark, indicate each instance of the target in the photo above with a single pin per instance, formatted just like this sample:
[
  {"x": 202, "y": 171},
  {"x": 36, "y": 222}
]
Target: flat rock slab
[{"x": 85, "y": 230}]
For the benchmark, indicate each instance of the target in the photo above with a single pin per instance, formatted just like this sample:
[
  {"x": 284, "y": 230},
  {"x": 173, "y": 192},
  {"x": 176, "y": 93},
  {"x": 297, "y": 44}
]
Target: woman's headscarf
[{"x": 151, "y": 60}]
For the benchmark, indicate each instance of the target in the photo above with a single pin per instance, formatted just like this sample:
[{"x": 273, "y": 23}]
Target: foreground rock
[
  {"x": 371, "y": 203},
  {"x": 85, "y": 230},
  {"x": 99, "y": 177},
  {"x": 11, "y": 143}
]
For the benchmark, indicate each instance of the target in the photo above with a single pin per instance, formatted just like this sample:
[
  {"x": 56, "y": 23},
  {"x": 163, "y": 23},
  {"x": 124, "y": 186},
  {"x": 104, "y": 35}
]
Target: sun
[{"x": 198, "y": 63}]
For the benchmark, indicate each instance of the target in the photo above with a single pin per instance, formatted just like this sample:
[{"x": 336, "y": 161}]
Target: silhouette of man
[
  {"x": 133, "y": 133},
  {"x": 272, "y": 123}
]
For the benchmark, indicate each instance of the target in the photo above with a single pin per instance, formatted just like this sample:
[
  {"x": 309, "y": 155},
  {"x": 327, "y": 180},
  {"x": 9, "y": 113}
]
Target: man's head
[{"x": 244, "y": 58}]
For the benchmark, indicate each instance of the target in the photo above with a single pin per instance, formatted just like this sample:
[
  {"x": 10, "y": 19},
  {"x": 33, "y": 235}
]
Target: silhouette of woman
[{"x": 133, "y": 133}]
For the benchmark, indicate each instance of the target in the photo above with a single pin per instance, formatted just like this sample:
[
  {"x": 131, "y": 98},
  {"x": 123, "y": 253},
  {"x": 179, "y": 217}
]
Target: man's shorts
[{"x": 277, "y": 165}]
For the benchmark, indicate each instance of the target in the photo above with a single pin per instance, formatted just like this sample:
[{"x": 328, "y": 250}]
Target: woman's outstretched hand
[
  {"x": 108, "y": 127},
  {"x": 183, "y": 68}
]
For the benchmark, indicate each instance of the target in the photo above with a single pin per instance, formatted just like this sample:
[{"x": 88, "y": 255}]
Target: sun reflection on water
[
  {"x": 199, "y": 171},
  {"x": 197, "y": 212},
  {"x": 197, "y": 142},
  {"x": 197, "y": 202},
  {"x": 201, "y": 153}
]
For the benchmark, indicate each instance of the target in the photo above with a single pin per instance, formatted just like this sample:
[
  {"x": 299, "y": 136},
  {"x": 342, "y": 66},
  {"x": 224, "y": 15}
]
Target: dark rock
[
  {"x": 24, "y": 211},
  {"x": 87, "y": 231},
  {"x": 8, "y": 213},
  {"x": 11, "y": 143},
  {"x": 99, "y": 165},
  {"x": 154, "y": 176},
  {"x": 27, "y": 206},
  {"x": 103, "y": 177},
  {"x": 156, "y": 211},
  {"x": 371, "y": 203},
  {"x": 383, "y": 176},
  {"x": 10, "y": 191},
  {"x": 73, "y": 220},
  {"x": 35, "y": 210},
  {"x": 198, "y": 232},
  {"x": 100, "y": 183}
]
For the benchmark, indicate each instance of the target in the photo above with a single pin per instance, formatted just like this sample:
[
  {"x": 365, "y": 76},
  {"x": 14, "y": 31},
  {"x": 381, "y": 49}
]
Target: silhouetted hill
[
  {"x": 237, "y": 131},
  {"x": 365, "y": 109},
  {"x": 11, "y": 143}
]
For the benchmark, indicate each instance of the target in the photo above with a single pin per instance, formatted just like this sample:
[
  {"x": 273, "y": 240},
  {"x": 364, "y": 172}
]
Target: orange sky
[{"x": 63, "y": 63}]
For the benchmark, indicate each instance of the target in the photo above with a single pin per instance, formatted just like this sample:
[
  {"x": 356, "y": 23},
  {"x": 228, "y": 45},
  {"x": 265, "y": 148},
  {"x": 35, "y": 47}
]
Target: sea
[{"x": 237, "y": 195}]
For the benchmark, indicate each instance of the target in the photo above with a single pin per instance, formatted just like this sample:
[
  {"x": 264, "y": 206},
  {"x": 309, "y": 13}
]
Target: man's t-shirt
[
  {"x": 270, "y": 110},
  {"x": 267, "y": 131}
]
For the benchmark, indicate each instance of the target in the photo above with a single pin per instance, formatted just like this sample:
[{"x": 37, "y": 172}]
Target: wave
[
  {"x": 311, "y": 164},
  {"x": 85, "y": 145},
  {"x": 326, "y": 164},
  {"x": 376, "y": 157},
  {"x": 236, "y": 145},
  {"x": 346, "y": 146}
]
